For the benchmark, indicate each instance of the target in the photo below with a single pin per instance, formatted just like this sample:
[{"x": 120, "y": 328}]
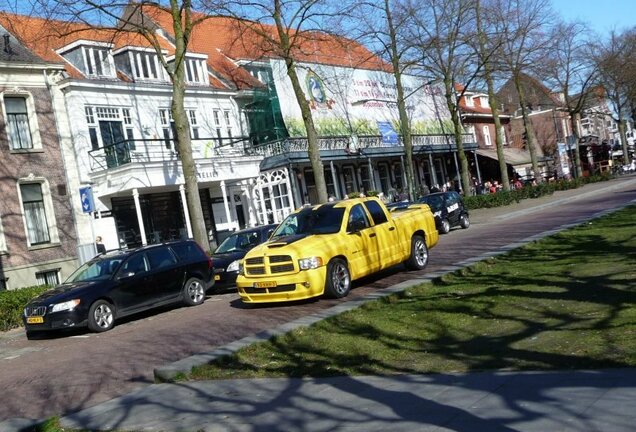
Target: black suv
[
  {"x": 448, "y": 209},
  {"x": 123, "y": 282}
]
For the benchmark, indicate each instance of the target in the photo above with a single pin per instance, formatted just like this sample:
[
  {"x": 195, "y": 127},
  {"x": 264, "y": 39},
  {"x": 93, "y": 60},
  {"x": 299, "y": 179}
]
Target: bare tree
[
  {"x": 298, "y": 26},
  {"x": 384, "y": 24},
  {"x": 441, "y": 33},
  {"x": 489, "y": 41},
  {"x": 616, "y": 62},
  {"x": 131, "y": 17},
  {"x": 523, "y": 26},
  {"x": 570, "y": 68}
]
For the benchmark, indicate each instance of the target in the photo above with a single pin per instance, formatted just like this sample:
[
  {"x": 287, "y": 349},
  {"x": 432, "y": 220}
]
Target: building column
[
  {"x": 186, "y": 213},
  {"x": 225, "y": 204},
  {"x": 295, "y": 187},
  {"x": 477, "y": 167},
  {"x": 459, "y": 176},
  {"x": 262, "y": 196},
  {"x": 249, "y": 194},
  {"x": 140, "y": 219},
  {"x": 290, "y": 195},
  {"x": 233, "y": 206},
  {"x": 272, "y": 202},
  {"x": 404, "y": 179},
  {"x": 334, "y": 179},
  {"x": 371, "y": 174},
  {"x": 433, "y": 173}
]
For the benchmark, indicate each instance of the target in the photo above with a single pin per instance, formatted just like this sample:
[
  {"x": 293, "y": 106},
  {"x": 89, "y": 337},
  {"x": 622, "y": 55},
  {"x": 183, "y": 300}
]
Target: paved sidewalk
[
  {"x": 490, "y": 401},
  {"x": 478, "y": 402}
]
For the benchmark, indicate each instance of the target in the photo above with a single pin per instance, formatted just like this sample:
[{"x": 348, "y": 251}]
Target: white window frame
[
  {"x": 487, "y": 139},
  {"x": 90, "y": 60},
  {"x": 228, "y": 123},
  {"x": 49, "y": 211},
  {"x": 469, "y": 101},
  {"x": 94, "y": 113},
  {"x": 196, "y": 71},
  {"x": 3, "y": 241},
  {"x": 150, "y": 58},
  {"x": 43, "y": 274},
  {"x": 165, "y": 119},
  {"x": 34, "y": 127}
]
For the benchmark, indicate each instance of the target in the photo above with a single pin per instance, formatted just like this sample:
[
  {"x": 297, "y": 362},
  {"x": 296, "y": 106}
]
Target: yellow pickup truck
[{"x": 322, "y": 249}]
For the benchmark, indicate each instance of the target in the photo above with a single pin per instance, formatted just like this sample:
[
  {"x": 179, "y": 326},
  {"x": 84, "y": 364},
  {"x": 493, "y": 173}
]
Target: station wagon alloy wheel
[
  {"x": 101, "y": 316},
  {"x": 194, "y": 292}
]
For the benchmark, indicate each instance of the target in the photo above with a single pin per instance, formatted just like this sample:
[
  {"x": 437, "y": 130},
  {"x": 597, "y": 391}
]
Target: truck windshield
[{"x": 321, "y": 220}]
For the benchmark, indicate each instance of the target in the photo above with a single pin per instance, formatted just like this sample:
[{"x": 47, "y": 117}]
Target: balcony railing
[
  {"x": 161, "y": 150},
  {"x": 345, "y": 143}
]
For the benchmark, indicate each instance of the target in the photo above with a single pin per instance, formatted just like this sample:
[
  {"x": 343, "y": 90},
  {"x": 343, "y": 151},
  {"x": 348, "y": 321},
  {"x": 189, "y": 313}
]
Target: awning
[{"x": 512, "y": 156}]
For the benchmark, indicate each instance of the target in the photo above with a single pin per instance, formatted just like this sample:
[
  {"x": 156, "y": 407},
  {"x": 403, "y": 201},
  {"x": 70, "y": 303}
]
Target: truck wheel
[
  {"x": 419, "y": 253},
  {"x": 444, "y": 226},
  {"x": 464, "y": 221},
  {"x": 338, "y": 282}
]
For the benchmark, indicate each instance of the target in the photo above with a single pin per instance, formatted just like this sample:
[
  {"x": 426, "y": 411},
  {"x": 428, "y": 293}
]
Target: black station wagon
[{"x": 123, "y": 282}]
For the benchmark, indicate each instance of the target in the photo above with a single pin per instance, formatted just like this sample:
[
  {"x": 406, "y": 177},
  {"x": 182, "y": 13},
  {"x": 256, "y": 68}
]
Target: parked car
[
  {"x": 123, "y": 282},
  {"x": 448, "y": 209},
  {"x": 322, "y": 249},
  {"x": 227, "y": 256}
]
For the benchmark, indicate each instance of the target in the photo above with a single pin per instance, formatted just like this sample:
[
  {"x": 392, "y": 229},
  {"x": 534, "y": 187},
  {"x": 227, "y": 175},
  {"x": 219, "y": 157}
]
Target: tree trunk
[
  {"x": 312, "y": 136},
  {"x": 574, "y": 121},
  {"x": 451, "y": 102},
  {"x": 184, "y": 144},
  {"x": 405, "y": 124},
  {"x": 623, "y": 135},
  {"x": 492, "y": 101},
  {"x": 529, "y": 130}
]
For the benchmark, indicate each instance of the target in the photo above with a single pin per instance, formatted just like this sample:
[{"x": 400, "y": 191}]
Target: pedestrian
[{"x": 99, "y": 245}]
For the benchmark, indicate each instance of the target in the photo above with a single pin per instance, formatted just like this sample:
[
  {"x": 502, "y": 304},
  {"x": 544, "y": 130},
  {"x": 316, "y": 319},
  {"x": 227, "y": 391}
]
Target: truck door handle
[
  {"x": 392, "y": 229},
  {"x": 372, "y": 235}
]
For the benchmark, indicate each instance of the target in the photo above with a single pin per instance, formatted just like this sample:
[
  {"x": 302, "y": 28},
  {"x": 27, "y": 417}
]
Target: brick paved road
[{"x": 63, "y": 374}]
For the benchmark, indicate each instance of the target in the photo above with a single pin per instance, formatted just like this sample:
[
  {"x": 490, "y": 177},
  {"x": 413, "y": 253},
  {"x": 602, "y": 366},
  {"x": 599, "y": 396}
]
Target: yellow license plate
[
  {"x": 264, "y": 284},
  {"x": 35, "y": 320},
  {"x": 217, "y": 277}
]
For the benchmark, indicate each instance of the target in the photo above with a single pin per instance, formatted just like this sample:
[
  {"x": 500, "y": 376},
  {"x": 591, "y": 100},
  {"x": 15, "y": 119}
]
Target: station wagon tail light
[
  {"x": 310, "y": 263},
  {"x": 65, "y": 306}
]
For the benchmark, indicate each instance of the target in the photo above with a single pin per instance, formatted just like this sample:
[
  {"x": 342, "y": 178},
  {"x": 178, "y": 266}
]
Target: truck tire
[
  {"x": 338, "y": 282},
  {"x": 419, "y": 253}
]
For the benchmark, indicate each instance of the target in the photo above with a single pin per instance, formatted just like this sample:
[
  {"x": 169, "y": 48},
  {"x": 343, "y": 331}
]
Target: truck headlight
[
  {"x": 234, "y": 266},
  {"x": 310, "y": 263},
  {"x": 66, "y": 306}
]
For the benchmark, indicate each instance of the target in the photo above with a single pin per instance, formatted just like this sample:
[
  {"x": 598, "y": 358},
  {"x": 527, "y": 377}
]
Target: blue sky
[{"x": 602, "y": 15}]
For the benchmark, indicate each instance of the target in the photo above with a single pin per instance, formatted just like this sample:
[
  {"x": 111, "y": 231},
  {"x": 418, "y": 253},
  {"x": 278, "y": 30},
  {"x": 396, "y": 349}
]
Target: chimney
[{"x": 7, "y": 44}]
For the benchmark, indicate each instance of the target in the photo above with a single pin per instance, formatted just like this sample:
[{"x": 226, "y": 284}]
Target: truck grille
[
  {"x": 34, "y": 311},
  {"x": 275, "y": 264}
]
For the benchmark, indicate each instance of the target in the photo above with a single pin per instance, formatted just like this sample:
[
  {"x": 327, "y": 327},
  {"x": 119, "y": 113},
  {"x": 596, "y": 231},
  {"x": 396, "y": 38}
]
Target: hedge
[
  {"x": 503, "y": 198},
  {"x": 12, "y": 303}
]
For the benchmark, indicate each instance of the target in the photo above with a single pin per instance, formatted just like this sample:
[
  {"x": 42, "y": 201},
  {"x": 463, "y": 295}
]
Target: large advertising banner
[{"x": 349, "y": 101}]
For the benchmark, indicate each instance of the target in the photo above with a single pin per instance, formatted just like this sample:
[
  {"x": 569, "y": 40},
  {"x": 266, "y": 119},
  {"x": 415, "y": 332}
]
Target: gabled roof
[
  {"x": 228, "y": 41},
  {"x": 45, "y": 37},
  {"x": 11, "y": 50}
]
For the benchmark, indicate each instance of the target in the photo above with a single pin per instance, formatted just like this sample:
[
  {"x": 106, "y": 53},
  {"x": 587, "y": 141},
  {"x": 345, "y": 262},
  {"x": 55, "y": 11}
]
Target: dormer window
[
  {"x": 469, "y": 101},
  {"x": 146, "y": 66},
  {"x": 196, "y": 71},
  {"x": 98, "y": 62},
  {"x": 93, "y": 59}
]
